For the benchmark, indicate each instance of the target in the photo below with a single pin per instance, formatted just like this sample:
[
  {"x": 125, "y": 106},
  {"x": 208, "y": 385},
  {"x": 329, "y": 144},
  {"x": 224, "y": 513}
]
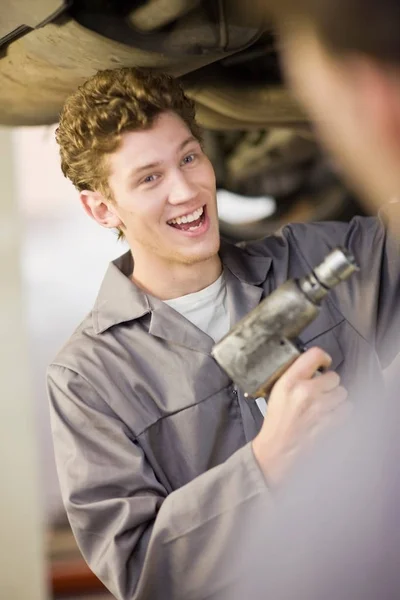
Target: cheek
[
  {"x": 205, "y": 175},
  {"x": 308, "y": 76},
  {"x": 291, "y": 61},
  {"x": 313, "y": 92},
  {"x": 140, "y": 206}
]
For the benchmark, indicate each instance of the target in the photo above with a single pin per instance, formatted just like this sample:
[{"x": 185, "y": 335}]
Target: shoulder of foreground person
[
  {"x": 313, "y": 241},
  {"x": 368, "y": 300}
]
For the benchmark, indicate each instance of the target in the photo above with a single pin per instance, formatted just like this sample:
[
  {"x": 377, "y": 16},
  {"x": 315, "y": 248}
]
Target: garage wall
[
  {"x": 64, "y": 257},
  {"x": 22, "y": 557}
]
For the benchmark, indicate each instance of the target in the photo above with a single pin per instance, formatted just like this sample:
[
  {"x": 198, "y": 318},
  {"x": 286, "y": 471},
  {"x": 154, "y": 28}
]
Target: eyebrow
[{"x": 137, "y": 170}]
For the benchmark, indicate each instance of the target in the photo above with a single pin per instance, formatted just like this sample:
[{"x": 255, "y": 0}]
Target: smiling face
[{"x": 164, "y": 193}]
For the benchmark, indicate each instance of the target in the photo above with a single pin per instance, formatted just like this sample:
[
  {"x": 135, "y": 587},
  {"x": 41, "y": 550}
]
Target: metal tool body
[{"x": 259, "y": 349}]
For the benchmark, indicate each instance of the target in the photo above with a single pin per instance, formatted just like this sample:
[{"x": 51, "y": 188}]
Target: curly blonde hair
[{"x": 108, "y": 104}]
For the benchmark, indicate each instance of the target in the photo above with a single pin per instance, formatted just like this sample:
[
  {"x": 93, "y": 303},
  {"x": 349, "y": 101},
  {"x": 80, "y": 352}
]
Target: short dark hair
[{"x": 370, "y": 27}]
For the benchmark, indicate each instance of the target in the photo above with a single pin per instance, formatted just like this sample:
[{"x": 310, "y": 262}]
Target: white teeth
[{"x": 188, "y": 218}]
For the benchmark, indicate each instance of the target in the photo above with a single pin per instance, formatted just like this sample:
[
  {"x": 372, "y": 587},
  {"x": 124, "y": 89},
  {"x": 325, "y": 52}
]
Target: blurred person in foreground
[
  {"x": 336, "y": 529},
  {"x": 342, "y": 60},
  {"x": 163, "y": 463}
]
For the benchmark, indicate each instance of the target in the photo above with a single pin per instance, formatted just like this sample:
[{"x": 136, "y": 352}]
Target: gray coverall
[{"x": 152, "y": 440}]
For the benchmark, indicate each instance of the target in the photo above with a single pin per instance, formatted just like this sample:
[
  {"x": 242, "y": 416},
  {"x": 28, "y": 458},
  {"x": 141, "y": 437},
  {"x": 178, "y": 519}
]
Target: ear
[{"x": 100, "y": 209}]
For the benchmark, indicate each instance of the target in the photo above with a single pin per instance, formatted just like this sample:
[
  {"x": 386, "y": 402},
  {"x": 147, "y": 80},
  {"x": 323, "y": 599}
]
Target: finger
[
  {"x": 322, "y": 384},
  {"x": 306, "y": 366},
  {"x": 337, "y": 417},
  {"x": 331, "y": 401},
  {"x": 343, "y": 412},
  {"x": 326, "y": 405},
  {"x": 306, "y": 394}
]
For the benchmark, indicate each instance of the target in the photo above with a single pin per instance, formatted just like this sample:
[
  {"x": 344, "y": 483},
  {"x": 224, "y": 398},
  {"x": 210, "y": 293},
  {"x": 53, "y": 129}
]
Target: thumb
[{"x": 307, "y": 365}]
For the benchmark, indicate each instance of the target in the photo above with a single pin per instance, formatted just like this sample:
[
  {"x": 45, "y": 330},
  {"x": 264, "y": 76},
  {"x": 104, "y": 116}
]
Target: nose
[{"x": 182, "y": 189}]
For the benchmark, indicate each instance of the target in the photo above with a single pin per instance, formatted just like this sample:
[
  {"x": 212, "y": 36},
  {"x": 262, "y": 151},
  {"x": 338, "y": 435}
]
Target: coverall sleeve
[{"x": 139, "y": 540}]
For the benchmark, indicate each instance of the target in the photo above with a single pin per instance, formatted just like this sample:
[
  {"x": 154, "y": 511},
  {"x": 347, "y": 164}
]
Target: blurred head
[
  {"x": 342, "y": 58},
  {"x": 130, "y": 143}
]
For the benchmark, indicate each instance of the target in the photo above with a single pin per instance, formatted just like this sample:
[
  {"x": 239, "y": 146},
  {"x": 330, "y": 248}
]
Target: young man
[{"x": 161, "y": 460}]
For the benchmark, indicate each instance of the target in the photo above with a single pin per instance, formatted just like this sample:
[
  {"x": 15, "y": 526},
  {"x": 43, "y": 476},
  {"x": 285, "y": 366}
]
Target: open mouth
[{"x": 190, "y": 222}]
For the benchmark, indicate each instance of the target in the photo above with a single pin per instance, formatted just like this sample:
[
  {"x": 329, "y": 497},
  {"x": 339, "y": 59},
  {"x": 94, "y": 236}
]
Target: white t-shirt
[{"x": 207, "y": 309}]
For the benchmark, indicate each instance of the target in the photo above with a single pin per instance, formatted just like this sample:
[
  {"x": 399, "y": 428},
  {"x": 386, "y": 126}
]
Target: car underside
[{"x": 256, "y": 135}]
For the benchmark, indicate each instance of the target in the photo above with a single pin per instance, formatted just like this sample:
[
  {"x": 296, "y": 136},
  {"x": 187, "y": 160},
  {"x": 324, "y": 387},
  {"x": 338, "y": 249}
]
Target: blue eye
[
  {"x": 189, "y": 159},
  {"x": 149, "y": 179}
]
